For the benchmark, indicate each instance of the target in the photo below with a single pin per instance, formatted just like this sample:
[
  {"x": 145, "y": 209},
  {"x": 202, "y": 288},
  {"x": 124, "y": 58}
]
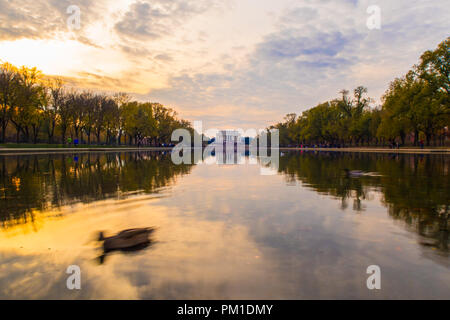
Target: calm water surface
[{"x": 225, "y": 231}]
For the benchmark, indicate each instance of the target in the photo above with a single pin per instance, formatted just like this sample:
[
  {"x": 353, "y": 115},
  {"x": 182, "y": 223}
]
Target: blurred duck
[
  {"x": 353, "y": 173},
  {"x": 126, "y": 239}
]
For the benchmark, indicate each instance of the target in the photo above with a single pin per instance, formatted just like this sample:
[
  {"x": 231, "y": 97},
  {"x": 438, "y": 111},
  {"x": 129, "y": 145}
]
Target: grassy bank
[
  {"x": 408, "y": 150},
  {"x": 12, "y": 149},
  {"x": 56, "y": 146},
  {"x": 39, "y": 149}
]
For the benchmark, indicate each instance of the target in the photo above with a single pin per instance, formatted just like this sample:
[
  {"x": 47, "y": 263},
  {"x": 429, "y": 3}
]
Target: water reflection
[
  {"x": 224, "y": 232},
  {"x": 415, "y": 188},
  {"x": 30, "y": 185}
]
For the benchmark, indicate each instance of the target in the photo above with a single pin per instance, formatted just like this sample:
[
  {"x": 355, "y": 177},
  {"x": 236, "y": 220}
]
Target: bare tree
[{"x": 8, "y": 81}]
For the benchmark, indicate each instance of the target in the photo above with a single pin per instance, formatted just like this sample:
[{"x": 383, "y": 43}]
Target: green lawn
[{"x": 46, "y": 145}]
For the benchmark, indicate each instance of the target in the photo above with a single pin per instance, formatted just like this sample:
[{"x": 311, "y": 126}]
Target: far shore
[
  {"x": 25, "y": 151},
  {"x": 85, "y": 149},
  {"x": 378, "y": 150}
]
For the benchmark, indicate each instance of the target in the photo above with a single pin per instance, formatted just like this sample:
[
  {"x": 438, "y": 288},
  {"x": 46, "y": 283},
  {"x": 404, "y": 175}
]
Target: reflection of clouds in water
[
  {"x": 319, "y": 251},
  {"x": 43, "y": 276},
  {"x": 191, "y": 258},
  {"x": 203, "y": 260},
  {"x": 228, "y": 232}
]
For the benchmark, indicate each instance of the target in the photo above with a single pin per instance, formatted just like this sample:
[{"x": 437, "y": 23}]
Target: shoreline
[
  {"x": 27, "y": 151},
  {"x": 377, "y": 150},
  {"x": 30, "y": 151}
]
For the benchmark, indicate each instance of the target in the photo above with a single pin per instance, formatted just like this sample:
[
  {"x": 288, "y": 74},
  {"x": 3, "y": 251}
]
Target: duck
[
  {"x": 126, "y": 239},
  {"x": 353, "y": 173}
]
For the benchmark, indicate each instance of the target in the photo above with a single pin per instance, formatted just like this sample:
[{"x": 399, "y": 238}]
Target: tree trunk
[
  {"x": 76, "y": 128},
  {"x": 27, "y": 134},
  {"x": 416, "y": 138},
  {"x": 63, "y": 134},
  {"x": 35, "y": 134},
  {"x": 428, "y": 137},
  {"x": 17, "y": 134},
  {"x": 4, "y": 125},
  {"x": 51, "y": 132}
]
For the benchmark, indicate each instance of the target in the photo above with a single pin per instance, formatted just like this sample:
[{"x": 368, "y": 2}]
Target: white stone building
[{"x": 228, "y": 137}]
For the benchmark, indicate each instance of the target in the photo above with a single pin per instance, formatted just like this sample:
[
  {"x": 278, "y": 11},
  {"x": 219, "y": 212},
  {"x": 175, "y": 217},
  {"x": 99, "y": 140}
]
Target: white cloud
[
  {"x": 316, "y": 49},
  {"x": 260, "y": 59}
]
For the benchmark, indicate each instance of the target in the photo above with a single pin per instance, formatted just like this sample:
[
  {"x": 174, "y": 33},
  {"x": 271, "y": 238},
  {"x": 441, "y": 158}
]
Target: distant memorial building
[
  {"x": 228, "y": 143},
  {"x": 228, "y": 137}
]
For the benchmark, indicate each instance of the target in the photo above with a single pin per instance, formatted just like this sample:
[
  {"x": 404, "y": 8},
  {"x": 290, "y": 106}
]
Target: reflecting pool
[{"x": 309, "y": 231}]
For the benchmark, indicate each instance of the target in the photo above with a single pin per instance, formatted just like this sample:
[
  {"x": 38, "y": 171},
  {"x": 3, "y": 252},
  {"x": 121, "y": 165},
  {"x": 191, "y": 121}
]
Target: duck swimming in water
[
  {"x": 353, "y": 173},
  {"x": 127, "y": 241}
]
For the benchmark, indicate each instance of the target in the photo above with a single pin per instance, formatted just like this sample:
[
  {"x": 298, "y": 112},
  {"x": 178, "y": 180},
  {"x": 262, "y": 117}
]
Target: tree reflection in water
[
  {"x": 415, "y": 188},
  {"x": 30, "y": 185}
]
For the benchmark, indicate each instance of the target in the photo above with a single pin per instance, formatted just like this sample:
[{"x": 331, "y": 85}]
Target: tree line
[
  {"x": 415, "y": 110},
  {"x": 37, "y": 108}
]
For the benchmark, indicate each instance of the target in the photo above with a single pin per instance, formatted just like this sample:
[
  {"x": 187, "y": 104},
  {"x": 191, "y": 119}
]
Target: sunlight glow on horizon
[
  {"x": 74, "y": 60},
  {"x": 50, "y": 56}
]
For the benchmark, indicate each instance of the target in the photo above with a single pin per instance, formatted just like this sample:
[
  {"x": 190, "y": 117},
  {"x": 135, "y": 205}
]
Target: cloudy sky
[{"x": 231, "y": 63}]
